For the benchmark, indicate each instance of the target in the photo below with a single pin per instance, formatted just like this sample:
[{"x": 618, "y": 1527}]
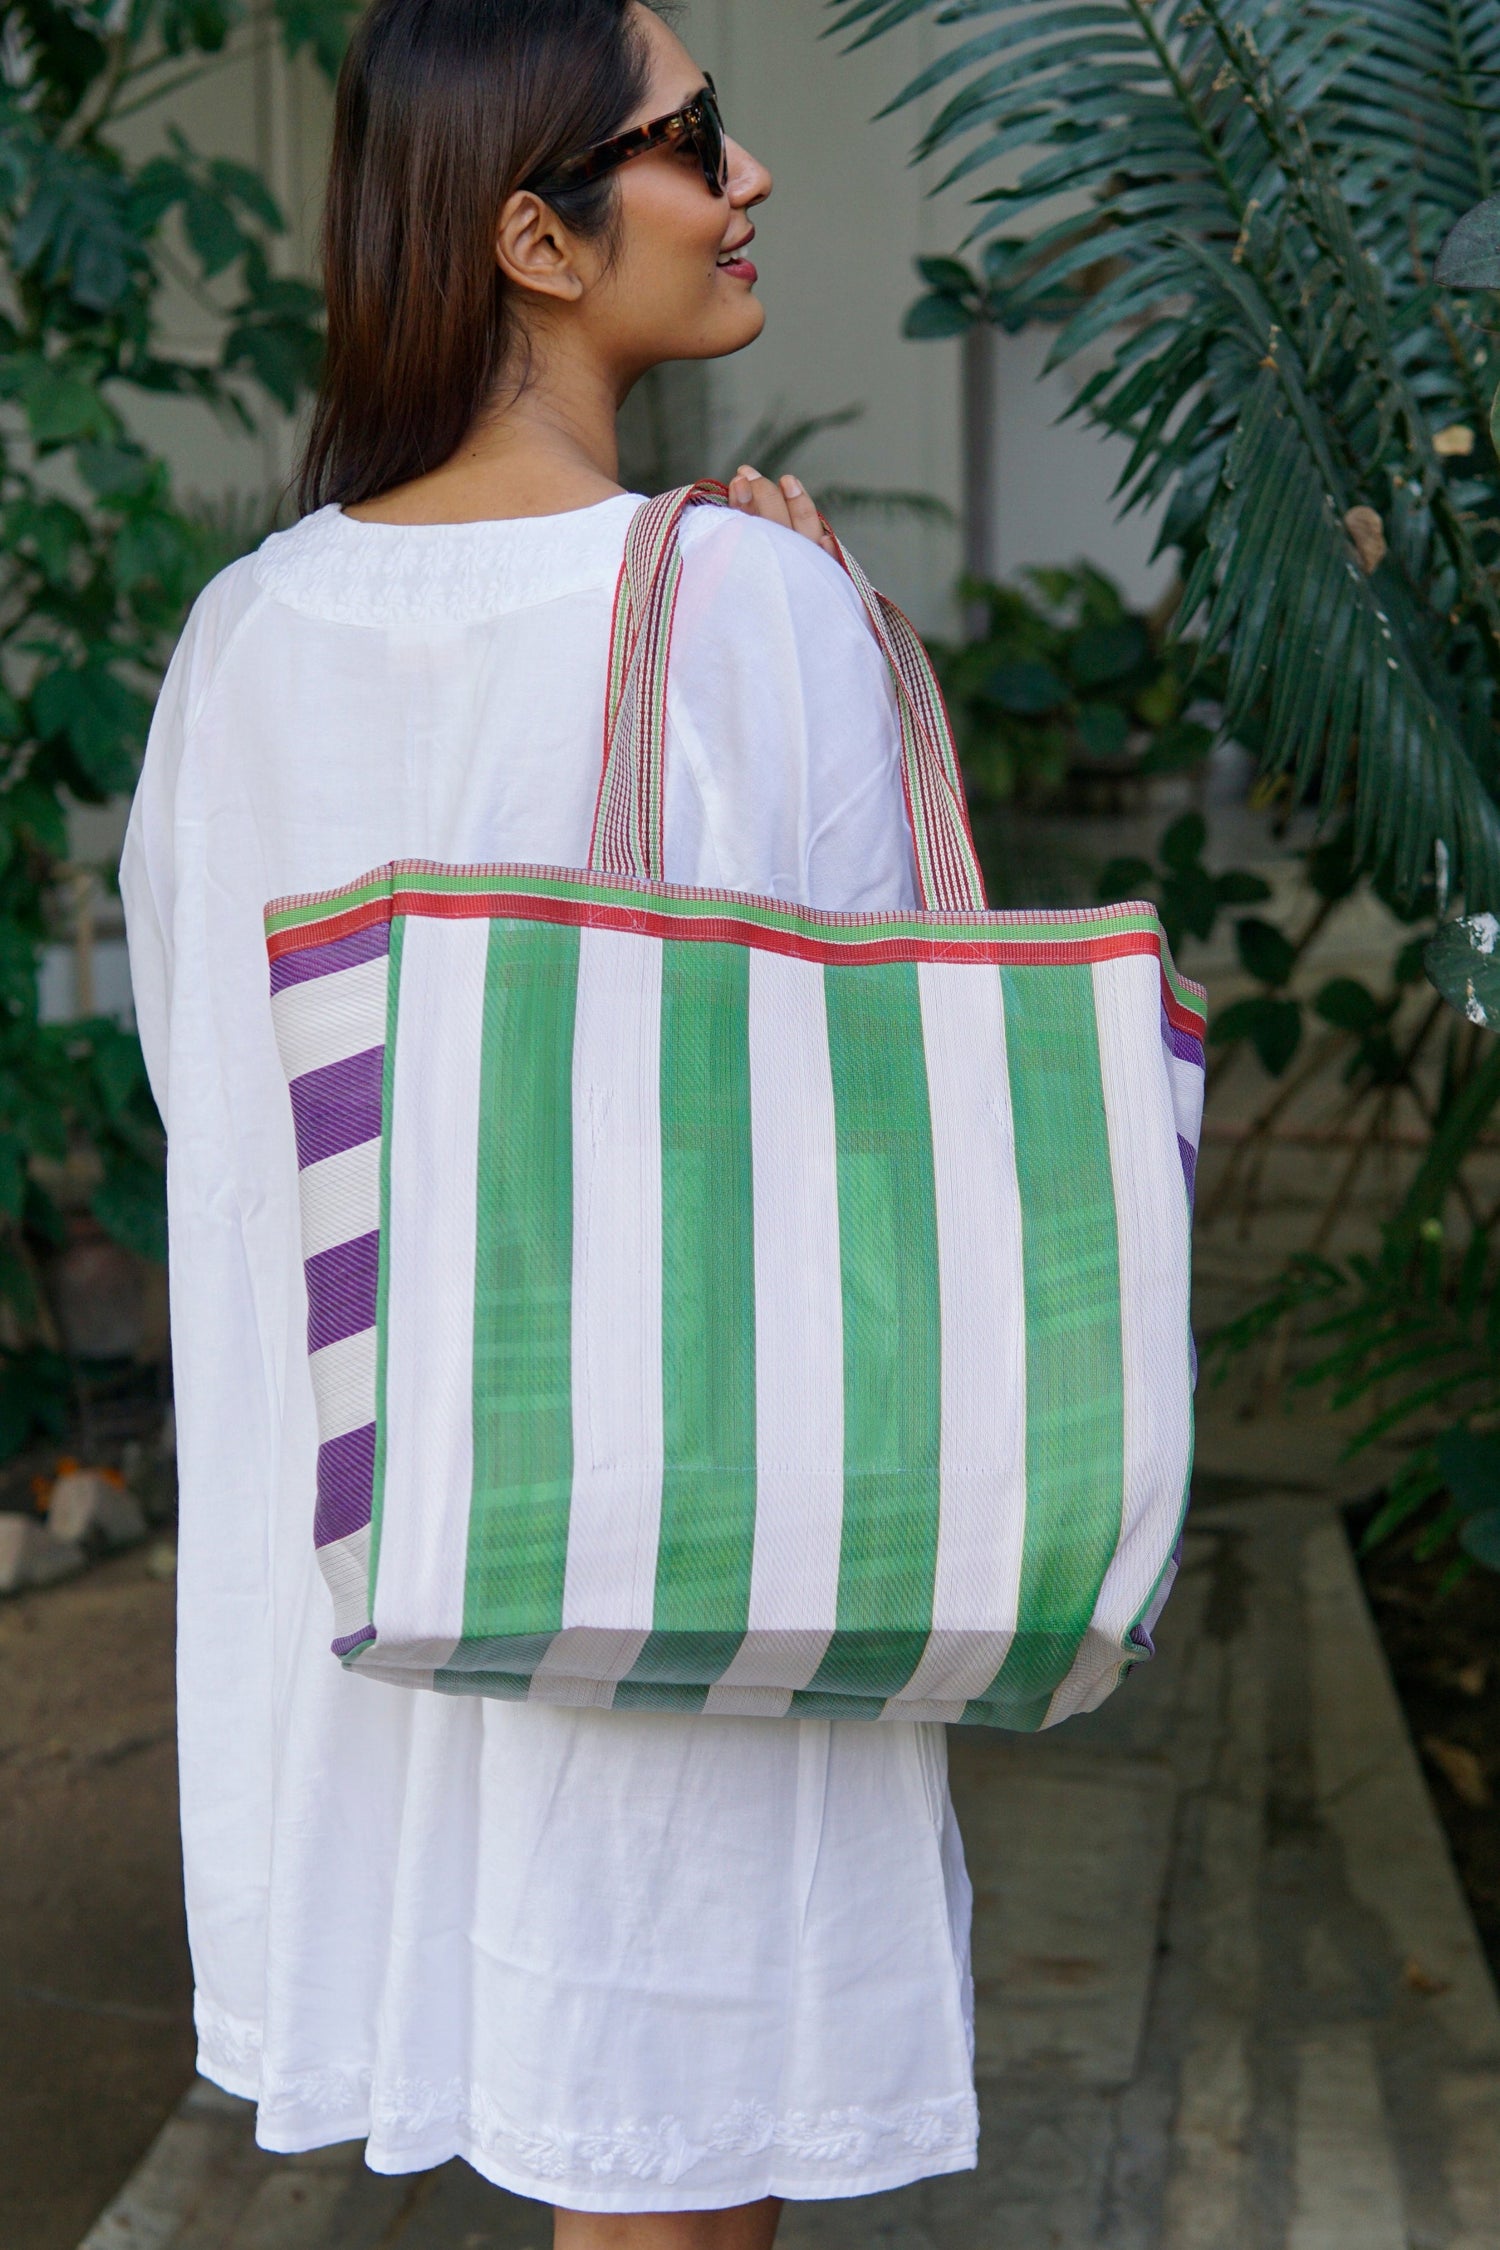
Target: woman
[{"x": 660, "y": 1972}]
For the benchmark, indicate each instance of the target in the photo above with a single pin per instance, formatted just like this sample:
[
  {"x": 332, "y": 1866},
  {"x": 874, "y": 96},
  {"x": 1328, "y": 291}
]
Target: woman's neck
[{"x": 546, "y": 452}]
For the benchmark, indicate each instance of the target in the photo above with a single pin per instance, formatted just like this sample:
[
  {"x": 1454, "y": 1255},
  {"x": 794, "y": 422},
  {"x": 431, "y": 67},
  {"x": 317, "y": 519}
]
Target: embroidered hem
[{"x": 413, "y": 2124}]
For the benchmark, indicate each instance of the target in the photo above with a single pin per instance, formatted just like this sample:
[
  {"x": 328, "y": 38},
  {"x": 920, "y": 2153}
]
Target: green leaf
[
  {"x": 212, "y": 230},
  {"x": 237, "y": 183},
  {"x": 1348, "y": 1005},
  {"x": 1177, "y": 745},
  {"x": 1273, "y": 1028},
  {"x": 937, "y": 316},
  {"x": 1265, "y": 952},
  {"x": 1102, "y": 655},
  {"x": 36, "y": 1395},
  {"x": 52, "y": 531},
  {"x": 1462, "y": 961},
  {"x": 154, "y": 548},
  {"x": 1470, "y": 256},
  {"x": 130, "y": 1204},
  {"x": 950, "y": 276},
  {"x": 322, "y": 26},
  {"x": 1124, "y": 878},
  {"x": 1480, "y": 1538},
  {"x": 1470, "y": 1464},
  {"x": 75, "y": 234},
  {"x": 117, "y": 472},
  {"x": 282, "y": 356},
  {"x": 1182, "y": 846},
  {"x": 1332, "y": 867},
  {"x": 1027, "y": 690},
  {"x": 102, "y": 720},
  {"x": 1104, "y": 730},
  {"x": 62, "y": 402},
  {"x": 1410, "y": 962},
  {"x": 1238, "y": 887}
]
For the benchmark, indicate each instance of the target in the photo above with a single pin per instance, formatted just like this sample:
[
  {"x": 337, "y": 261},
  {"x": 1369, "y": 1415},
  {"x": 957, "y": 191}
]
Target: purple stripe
[
  {"x": 1189, "y": 1156},
  {"x": 342, "y": 1286},
  {"x": 353, "y": 1641},
  {"x": 346, "y": 1485},
  {"x": 1182, "y": 1044},
  {"x": 323, "y": 960},
  {"x": 338, "y": 1106}
]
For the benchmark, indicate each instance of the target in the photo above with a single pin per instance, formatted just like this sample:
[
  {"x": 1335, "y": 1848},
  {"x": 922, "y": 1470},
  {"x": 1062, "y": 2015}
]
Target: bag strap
[{"x": 627, "y": 838}]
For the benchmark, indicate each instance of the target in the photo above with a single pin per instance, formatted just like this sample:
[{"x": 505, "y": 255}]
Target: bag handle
[{"x": 627, "y": 838}]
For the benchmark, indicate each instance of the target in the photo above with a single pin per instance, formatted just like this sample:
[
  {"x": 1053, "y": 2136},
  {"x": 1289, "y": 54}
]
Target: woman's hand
[{"x": 785, "y": 503}]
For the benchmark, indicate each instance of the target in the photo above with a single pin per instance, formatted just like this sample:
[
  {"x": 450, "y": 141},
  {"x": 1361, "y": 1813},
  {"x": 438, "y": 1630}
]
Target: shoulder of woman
[
  {"x": 732, "y": 557},
  {"x": 224, "y": 602},
  {"x": 212, "y": 625}
]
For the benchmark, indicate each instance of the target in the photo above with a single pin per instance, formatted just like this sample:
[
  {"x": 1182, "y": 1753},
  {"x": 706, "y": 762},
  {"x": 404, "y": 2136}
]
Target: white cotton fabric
[{"x": 618, "y": 1961}]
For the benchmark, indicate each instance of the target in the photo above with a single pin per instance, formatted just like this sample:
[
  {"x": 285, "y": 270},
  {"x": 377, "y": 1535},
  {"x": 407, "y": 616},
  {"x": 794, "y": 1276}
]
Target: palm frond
[{"x": 1245, "y": 199}]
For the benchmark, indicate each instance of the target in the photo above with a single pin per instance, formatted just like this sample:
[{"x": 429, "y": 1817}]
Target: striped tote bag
[{"x": 717, "y": 1305}]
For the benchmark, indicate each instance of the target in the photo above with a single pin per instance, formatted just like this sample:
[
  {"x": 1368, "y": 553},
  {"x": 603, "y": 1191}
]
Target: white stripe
[
  {"x": 1186, "y": 1081},
  {"x": 586, "y": 1653},
  {"x": 340, "y": 1198},
  {"x": 799, "y": 1331},
  {"x": 345, "y": 1564},
  {"x": 615, "y": 1519},
  {"x": 343, "y": 1376},
  {"x": 982, "y": 1294},
  {"x": 1151, "y": 1219},
  {"x": 326, "y": 1018},
  {"x": 429, "y": 1461}
]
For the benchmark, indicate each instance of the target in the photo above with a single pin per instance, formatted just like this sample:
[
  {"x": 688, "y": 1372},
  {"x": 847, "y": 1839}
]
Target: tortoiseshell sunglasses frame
[{"x": 699, "y": 122}]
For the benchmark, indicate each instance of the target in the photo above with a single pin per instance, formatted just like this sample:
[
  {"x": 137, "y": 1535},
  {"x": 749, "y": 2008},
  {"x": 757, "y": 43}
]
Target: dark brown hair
[{"x": 444, "y": 108}]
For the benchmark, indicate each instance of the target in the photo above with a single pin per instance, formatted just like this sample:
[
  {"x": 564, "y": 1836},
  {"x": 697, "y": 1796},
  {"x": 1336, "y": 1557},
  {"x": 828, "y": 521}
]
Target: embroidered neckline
[{"x": 346, "y": 572}]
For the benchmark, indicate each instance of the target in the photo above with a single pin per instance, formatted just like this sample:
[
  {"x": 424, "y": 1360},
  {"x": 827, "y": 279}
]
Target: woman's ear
[{"x": 535, "y": 251}]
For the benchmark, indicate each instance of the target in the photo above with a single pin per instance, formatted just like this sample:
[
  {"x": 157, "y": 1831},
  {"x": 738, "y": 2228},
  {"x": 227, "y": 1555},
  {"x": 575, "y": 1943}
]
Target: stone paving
[{"x": 1229, "y": 1994}]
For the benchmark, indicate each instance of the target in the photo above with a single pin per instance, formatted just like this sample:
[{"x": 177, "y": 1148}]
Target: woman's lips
[{"x": 740, "y": 269}]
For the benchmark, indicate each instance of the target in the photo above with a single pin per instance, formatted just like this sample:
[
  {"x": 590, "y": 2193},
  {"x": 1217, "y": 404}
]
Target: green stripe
[
  {"x": 892, "y": 1347},
  {"x": 707, "y": 1538},
  {"x": 1075, "y": 1427},
  {"x": 523, "y": 1287},
  {"x": 383, "y": 1281}
]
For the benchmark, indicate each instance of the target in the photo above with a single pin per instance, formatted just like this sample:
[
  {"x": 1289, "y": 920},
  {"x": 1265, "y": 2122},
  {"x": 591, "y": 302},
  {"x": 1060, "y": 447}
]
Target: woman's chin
[{"x": 738, "y": 323}]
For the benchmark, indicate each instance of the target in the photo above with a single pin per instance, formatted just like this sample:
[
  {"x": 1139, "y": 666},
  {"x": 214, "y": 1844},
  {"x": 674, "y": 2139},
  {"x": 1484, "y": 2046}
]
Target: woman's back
[{"x": 414, "y": 1916}]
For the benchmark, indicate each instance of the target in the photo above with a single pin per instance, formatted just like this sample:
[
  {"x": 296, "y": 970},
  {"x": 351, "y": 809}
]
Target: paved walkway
[{"x": 1230, "y": 1997}]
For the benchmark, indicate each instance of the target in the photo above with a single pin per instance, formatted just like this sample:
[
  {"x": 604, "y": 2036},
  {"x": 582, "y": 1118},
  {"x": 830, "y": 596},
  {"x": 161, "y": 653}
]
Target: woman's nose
[{"x": 748, "y": 180}]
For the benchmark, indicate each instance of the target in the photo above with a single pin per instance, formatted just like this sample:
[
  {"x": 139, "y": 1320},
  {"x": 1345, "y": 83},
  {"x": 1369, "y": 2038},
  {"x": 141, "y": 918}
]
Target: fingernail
[
  {"x": 752, "y": 474},
  {"x": 738, "y": 497},
  {"x": 791, "y": 488}
]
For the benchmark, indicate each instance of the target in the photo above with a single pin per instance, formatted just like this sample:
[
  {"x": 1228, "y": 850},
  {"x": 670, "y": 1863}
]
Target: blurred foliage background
[{"x": 98, "y": 561}]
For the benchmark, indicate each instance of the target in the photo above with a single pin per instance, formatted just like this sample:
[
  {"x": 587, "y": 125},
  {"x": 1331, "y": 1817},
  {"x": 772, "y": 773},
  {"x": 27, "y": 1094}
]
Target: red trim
[
  {"x": 1179, "y": 1017},
  {"x": 729, "y": 929}
]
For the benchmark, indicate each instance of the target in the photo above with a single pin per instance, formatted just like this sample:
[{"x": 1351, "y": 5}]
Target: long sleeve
[
  {"x": 783, "y": 746},
  {"x": 228, "y": 1413}
]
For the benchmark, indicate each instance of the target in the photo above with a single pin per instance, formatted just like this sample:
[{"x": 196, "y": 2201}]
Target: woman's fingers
[
  {"x": 759, "y": 497},
  {"x": 785, "y": 503},
  {"x": 804, "y": 515}
]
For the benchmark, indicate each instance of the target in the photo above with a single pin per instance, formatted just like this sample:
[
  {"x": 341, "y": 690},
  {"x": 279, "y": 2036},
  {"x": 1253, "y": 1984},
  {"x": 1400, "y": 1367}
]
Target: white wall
[
  {"x": 849, "y": 216},
  {"x": 1053, "y": 479},
  {"x": 835, "y": 250}
]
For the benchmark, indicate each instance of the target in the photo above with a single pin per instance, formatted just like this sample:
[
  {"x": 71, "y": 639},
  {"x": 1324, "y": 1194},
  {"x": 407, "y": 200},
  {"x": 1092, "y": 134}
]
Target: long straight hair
[{"x": 444, "y": 108}]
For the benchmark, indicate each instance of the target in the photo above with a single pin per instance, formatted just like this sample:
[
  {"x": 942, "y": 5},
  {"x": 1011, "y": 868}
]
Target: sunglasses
[{"x": 698, "y": 126}]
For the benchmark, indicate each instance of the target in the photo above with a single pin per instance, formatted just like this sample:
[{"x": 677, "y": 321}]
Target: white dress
[{"x": 620, "y": 1962}]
